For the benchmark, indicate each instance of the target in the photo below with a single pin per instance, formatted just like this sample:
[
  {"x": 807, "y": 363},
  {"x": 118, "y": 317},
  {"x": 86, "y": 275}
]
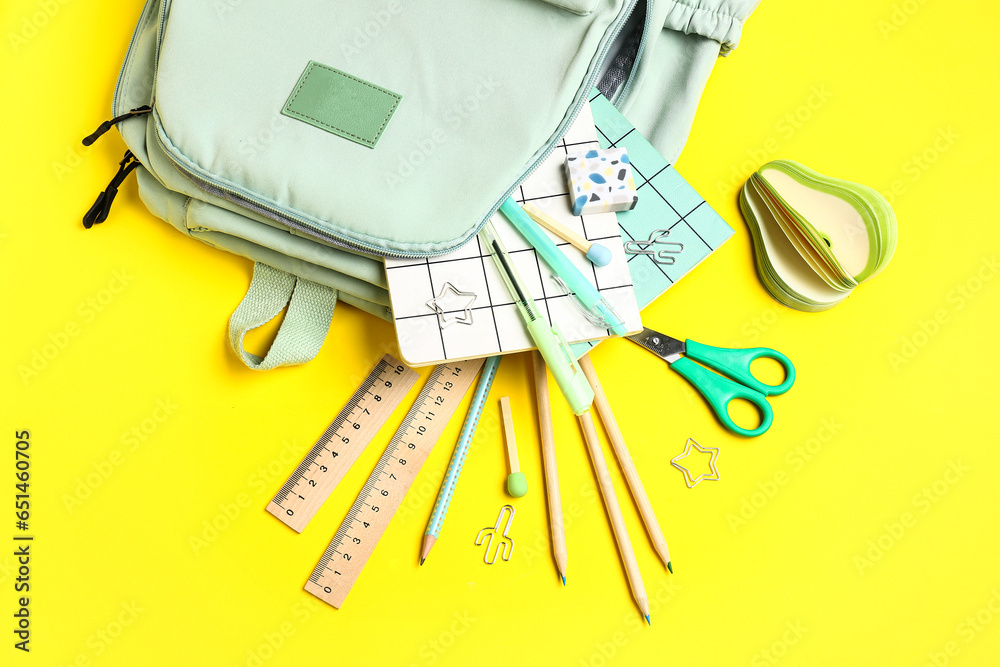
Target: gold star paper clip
[
  {"x": 452, "y": 300},
  {"x": 693, "y": 481}
]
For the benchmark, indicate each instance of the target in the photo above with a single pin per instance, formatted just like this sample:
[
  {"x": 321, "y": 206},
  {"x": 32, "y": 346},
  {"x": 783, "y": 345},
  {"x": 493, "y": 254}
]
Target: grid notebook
[
  {"x": 455, "y": 306},
  {"x": 666, "y": 203}
]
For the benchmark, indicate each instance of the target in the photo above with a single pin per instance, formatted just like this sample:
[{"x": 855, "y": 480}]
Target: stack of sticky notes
[
  {"x": 600, "y": 181},
  {"x": 815, "y": 237}
]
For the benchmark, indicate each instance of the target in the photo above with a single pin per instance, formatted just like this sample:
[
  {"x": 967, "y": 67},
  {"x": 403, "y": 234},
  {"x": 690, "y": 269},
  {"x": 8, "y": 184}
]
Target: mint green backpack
[{"x": 316, "y": 138}]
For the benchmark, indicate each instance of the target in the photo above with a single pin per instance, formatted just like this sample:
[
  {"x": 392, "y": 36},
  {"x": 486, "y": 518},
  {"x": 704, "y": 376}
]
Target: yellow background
[{"x": 789, "y": 559}]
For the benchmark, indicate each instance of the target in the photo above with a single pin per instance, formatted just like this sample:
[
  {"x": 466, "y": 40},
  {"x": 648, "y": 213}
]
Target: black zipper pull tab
[
  {"x": 98, "y": 213},
  {"x": 108, "y": 124}
]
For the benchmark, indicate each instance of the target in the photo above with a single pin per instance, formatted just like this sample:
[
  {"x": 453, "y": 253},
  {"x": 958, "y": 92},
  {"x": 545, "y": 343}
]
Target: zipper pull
[
  {"x": 108, "y": 124},
  {"x": 98, "y": 213}
]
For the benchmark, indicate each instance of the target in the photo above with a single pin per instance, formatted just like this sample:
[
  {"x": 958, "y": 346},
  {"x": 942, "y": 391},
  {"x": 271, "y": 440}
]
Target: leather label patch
[{"x": 341, "y": 104}]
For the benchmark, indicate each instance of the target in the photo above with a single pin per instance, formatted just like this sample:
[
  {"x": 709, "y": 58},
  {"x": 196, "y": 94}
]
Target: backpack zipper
[
  {"x": 140, "y": 24},
  {"x": 108, "y": 124},
  {"x": 620, "y": 95},
  {"x": 98, "y": 213}
]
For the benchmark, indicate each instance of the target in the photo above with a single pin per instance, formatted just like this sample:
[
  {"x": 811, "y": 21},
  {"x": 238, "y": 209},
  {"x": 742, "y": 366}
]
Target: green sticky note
[{"x": 341, "y": 104}]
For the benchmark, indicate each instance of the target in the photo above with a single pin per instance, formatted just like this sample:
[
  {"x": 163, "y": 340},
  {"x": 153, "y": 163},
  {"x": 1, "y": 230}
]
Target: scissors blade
[{"x": 666, "y": 348}]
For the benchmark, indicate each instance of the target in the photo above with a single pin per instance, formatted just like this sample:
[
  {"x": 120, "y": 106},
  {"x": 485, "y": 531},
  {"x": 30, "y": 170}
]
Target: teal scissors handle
[
  {"x": 720, "y": 392},
  {"x": 736, "y": 364}
]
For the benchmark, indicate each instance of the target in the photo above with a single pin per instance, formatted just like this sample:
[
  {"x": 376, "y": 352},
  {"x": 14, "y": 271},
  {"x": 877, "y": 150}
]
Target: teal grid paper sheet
[{"x": 666, "y": 201}]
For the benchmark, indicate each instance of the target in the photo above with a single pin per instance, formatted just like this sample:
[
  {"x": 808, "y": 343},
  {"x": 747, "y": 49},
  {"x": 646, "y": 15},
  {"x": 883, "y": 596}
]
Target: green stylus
[
  {"x": 549, "y": 340},
  {"x": 593, "y": 303}
]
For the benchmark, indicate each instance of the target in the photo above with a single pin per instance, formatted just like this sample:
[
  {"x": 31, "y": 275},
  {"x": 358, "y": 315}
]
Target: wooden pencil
[
  {"x": 614, "y": 513},
  {"x": 626, "y": 463},
  {"x": 556, "y": 528}
]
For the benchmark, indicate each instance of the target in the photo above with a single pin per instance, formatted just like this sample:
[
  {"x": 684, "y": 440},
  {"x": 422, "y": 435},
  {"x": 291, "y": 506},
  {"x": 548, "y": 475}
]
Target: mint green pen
[
  {"x": 593, "y": 303},
  {"x": 549, "y": 340}
]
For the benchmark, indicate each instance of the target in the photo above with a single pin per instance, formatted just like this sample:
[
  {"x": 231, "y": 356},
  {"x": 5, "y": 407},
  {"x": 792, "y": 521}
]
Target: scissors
[{"x": 718, "y": 390}]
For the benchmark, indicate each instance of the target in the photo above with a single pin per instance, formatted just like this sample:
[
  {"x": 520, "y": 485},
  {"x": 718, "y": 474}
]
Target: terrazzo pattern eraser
[{"x": 600, "y": 181}]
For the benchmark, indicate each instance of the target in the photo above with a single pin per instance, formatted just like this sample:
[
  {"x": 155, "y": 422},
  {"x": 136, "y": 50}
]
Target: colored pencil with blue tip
[
  {"x": 458, "y": 457},
  {"x": 627, "y": 465}
]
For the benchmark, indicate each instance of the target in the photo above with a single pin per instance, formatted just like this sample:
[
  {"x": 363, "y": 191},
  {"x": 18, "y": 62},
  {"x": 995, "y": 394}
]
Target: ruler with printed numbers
[
  {"x": 342, "y": 443},
  {"x": 382, "y": 494}
]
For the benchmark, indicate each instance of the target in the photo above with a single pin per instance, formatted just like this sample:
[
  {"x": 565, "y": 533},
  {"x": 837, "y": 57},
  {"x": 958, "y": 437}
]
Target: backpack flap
[{"x": 392, "y": 129}]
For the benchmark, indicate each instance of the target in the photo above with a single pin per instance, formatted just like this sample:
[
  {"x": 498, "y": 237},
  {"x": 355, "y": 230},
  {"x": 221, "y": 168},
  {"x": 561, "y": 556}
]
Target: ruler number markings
[
  {"x": 383, "y": 493},
  {"x": 342, "y": 442}
]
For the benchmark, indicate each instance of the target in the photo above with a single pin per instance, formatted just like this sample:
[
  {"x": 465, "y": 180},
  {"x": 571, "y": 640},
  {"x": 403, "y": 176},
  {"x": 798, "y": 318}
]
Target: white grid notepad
[{"x": 496, "y": 326}]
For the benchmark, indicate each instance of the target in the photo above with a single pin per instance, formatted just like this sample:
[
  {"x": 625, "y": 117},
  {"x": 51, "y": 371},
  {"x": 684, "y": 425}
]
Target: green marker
[
  {"x": 593, "y": 303},
  {"x": 549, "y": 340}
]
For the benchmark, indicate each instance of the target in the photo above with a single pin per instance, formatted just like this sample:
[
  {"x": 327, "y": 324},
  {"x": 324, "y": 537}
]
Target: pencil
[
  {"x": 458, "y": 457},
  {"x": 556, "y": 528},
  {"x": 614, "y": 513},
  {"x": 626, "y": 463}
]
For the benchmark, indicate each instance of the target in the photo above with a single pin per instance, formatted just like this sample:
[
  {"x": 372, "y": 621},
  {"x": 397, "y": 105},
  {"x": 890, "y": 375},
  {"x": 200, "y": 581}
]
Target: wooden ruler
[
  {"x": 384, "y": 491},
  {"x": 342, "y": 443}
]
